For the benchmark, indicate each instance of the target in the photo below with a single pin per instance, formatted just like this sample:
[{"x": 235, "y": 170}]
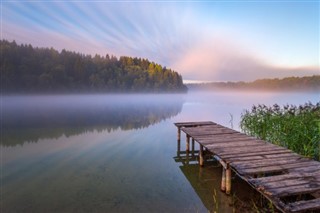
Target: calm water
[{"x": 115, "y": 153}]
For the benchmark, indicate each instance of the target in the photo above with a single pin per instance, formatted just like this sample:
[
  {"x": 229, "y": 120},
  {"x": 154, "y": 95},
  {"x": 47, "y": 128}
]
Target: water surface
[{"x": 115, "y": 153}]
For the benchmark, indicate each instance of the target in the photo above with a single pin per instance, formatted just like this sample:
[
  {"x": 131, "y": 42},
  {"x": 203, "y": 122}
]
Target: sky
[{"x": 202, "y": 40}]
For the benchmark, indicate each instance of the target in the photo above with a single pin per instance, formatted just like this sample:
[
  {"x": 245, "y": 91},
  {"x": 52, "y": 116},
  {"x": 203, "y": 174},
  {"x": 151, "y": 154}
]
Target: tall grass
[{"x": 294, "y": 127}]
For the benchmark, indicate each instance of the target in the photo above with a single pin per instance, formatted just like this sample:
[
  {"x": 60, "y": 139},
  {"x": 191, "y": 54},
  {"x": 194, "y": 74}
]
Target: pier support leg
[
  {"x": 223, "y": 180},
  {"x": 188, "y": 143},
  {"x": 228, "y": 180},
  {"x": 201, "y": 155},
  {"x": 178, "y": 148},
  {"x": 187, "y": 158},
  {"x": 192, "y": 147},
  {"x": 178, "y": 142}
]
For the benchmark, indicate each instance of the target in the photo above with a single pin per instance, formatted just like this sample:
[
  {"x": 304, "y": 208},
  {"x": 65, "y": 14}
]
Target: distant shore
[{"x": 289, "y": 84}]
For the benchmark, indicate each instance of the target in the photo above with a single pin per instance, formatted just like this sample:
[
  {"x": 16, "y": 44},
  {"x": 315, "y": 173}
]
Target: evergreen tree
[{"x": 27, "y": 69}]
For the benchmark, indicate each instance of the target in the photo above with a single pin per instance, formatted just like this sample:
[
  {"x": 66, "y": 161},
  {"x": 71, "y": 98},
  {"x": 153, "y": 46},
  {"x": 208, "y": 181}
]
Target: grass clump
[{"x": 294, "y": 127}]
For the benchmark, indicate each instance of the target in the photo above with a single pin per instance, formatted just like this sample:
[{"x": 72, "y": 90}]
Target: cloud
[
  {"x": 220, "y": 59},
  {"x": 170, "y": 34},
  {"x": 45, "y": 38},
  {"x": 149, "y": 30}
]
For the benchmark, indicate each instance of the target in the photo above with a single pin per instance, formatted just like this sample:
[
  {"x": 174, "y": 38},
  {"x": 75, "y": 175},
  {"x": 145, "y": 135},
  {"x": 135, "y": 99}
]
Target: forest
[
  {"x": 28, "y": 69},
  {"x": 307, "y": 83}
]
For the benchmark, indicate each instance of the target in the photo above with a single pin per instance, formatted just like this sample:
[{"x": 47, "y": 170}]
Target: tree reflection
[{"x": 30, "y": 118}]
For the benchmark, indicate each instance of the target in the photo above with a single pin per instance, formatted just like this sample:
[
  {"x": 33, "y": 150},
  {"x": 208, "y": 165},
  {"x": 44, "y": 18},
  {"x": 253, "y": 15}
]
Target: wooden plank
[
  {"x": 284, "y": 177},
  {"x": 240, "y": 165},
  {"x": 263, "y": 148},
  {"x": 276, "y": 168},
  {"x": 288, "y": 183},
  {"x": 219, "y": 136},
  {"x": 207, "y": 129},
  {"x": 202, "y": 132},
  {"x": 256, "y": 153},
  {"x": 256, "y": 150},
  {"x": 226, "y": 140},
  {"x": 294, "y": 190},
  {"x": 268, "y": 162},
  {"x": 181, "y": 124},
  {"x": 225, "y": 143},
  {"x": 280, "y": 156},
  {"x": 311, "y": 168},
  {"x": 212, "y": 131},
  {"x": 231, "y": 144},
  {"x": 248, "y": 155},
  {"x": 223, "y": 138},
  {"x": 304, "y": 205},
  {"x": 245, "y": 158},
  {"x": 208, "y": 126},
  {"x": 232, "y": 135}
]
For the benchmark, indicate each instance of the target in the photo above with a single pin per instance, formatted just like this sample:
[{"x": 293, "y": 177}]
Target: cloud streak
[
  {"x": 174, "y": 34},
  {"x": 220, "y": 60}
]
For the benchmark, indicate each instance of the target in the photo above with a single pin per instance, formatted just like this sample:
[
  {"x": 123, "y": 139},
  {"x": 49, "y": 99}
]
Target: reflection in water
[
  {"x": 30, "y": 118},
  {"x": 108, "y": 168},
  {"x": 117, "y": 171},
  {"x": 206, "y": 182}
]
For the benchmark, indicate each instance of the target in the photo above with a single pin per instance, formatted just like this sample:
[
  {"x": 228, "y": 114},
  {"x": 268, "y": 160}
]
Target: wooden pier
[{"x": 290, "y": 181}]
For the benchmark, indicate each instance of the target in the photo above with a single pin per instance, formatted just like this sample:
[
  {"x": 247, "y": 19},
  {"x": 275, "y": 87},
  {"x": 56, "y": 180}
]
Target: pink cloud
[{"x": 222, "y": 60}]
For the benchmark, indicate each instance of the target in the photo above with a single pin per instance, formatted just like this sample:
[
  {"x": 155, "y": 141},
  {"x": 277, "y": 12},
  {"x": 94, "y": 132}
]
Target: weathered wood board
[{"x": 274, "y": 171}]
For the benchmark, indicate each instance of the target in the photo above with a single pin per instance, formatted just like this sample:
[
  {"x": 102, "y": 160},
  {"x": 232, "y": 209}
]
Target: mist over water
[
  {"x": 114, "y": 153},
  {"x": 73, "y": 114}
]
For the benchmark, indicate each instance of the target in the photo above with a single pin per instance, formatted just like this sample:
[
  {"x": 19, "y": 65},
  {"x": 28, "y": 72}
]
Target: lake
[{"x": 116, "y": 153}]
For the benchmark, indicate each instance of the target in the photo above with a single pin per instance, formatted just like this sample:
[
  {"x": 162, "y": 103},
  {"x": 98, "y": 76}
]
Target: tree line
[
  {"x": 307, "y": 83},
  {"x": 28, "y": 69}
]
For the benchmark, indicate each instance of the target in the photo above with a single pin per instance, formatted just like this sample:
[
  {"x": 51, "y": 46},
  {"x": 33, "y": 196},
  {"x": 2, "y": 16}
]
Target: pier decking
[{"x": 290, "y": 181}]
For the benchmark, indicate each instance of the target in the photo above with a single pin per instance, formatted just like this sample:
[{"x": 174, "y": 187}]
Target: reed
[{"x": 294, "y": 127}]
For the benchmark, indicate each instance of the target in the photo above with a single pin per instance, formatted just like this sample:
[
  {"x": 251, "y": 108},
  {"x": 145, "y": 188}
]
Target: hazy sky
[{"x": 202, "y": 40}]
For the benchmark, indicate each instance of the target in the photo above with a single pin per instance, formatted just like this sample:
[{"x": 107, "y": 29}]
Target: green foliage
[
  {"x": 25, "y": 69},
  {"x": 296, "y": 128}
]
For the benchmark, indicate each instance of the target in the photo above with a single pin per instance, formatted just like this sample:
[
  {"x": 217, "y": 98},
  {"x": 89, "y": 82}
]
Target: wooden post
[
  {"x": 187, "y": 158},
  {"x": 178, "y": 148},
  {"x": 201, "y": 155},
  {"x": 188, "y": 143},
  {"x": 223, "y": 180},
  {"x": 228, "y": 180},
  {"x": 179, "y": 134},
  {"x": 178, "y": 142},
  {"x": 192, "y": 147}
]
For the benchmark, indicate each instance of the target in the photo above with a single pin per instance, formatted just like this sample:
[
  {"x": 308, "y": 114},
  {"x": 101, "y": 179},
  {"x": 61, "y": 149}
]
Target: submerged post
[
  {"x": 178, "y": 142},
  {"x": 228, "y": 180},
  {"x": 187, "y": 158},
  {"x": 188, "y": 143},
  {"x": 223, "y": 180},
  {"x": 201, "y": 155},
  {"x": 192, "y": 147}
]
